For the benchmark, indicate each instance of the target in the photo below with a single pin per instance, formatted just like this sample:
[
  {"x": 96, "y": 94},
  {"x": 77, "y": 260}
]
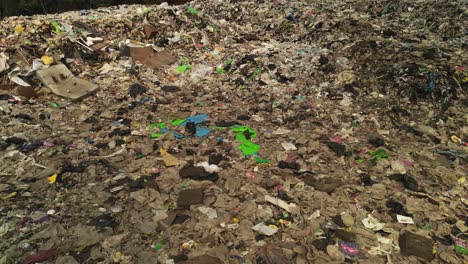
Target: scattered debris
[{"x": 235, "y": 132}]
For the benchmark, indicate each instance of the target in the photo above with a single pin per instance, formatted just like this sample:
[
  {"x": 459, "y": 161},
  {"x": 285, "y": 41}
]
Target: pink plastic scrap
[{"x": 349, "y": 248}]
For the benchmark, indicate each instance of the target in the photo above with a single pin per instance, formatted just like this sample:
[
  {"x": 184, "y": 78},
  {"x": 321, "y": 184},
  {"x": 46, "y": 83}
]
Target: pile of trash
[{"x": 235, "y": 132}]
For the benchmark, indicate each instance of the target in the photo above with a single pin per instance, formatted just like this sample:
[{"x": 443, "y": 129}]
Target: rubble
[{"x": 235, "y": 132}]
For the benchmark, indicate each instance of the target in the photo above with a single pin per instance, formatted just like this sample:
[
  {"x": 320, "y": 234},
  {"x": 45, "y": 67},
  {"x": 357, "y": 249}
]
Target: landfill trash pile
[{"x": 236, "y": 132}]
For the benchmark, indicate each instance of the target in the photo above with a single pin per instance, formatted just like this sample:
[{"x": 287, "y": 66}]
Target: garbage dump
[{"x": 236, "y": 132}]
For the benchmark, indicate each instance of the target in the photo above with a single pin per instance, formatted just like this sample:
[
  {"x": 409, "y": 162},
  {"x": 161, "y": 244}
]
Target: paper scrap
[
  {"x": 264, "y": 229},
  {"x": 61, "y": 81},
  {"x": 3, "y": 62},
  {"x": 211, "y": 168},
  {"x": 315, "y": 215},
  {"x": 288, "y": 146},
  {"x": 405, "y": 219},
  {"x": 291, "y": 208},
  {"x": 106, "y": 68},
  {"x": 13, "y": 76},
  {"x": 208, "y": 211},
  {"x": 372, "y": 223}
]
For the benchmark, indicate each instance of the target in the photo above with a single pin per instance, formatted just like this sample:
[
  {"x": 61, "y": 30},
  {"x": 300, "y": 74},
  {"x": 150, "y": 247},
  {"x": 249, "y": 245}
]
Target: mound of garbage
[{"x": 236, "y": 132}]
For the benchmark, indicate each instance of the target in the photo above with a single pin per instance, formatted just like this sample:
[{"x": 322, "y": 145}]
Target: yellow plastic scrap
[
  {"x": 52, "y": 178},
  {"x": 11, "y": 195},
  {"x": 169, "y": 160},
  {"x": 19, "y": 29},
  {"x": 465, "y": 79},
  {"x": 456, "y": 139},
  {"x": 117, "y": 257},
  {"x": 47, "y": 60},
  {"x": 462, "y": 180}
]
